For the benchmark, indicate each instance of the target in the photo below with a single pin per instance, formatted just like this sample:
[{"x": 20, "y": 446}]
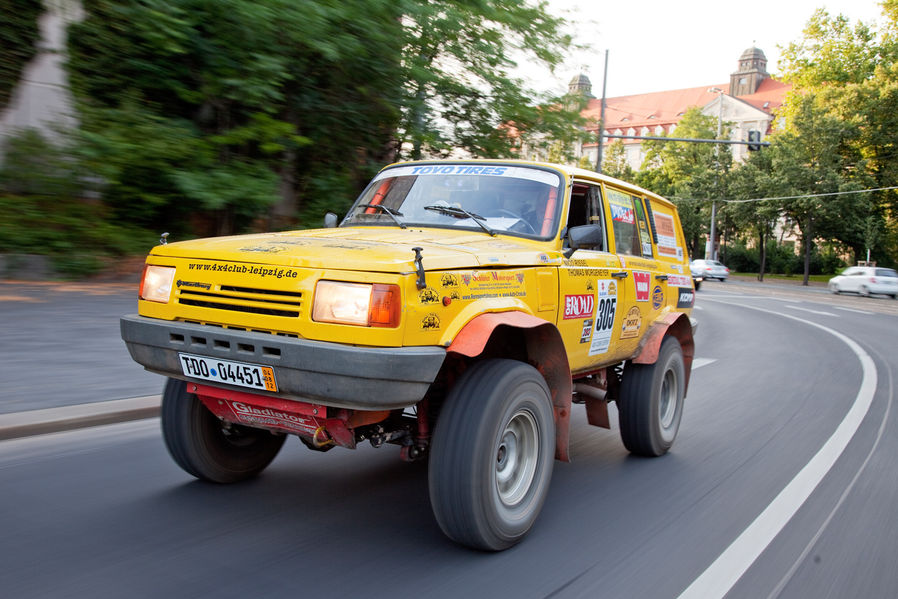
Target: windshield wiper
[
  {"x": 459, "y": 212},
  {"x": 394, "y": 214}
]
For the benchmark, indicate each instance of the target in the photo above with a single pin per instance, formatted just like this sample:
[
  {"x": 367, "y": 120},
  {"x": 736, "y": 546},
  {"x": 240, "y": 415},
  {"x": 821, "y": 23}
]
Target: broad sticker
[
  {"x": 578, "y": 306},
  {"x": 606, "y": 310}
]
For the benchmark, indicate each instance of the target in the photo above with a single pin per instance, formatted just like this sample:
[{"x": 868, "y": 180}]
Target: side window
[
  {"x": 623, "y": 223},
  {"x": 586, "y": 209}
]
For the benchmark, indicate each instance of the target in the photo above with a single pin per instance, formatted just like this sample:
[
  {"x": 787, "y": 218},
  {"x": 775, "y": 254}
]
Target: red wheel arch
[{"x": 545, "y": 350}]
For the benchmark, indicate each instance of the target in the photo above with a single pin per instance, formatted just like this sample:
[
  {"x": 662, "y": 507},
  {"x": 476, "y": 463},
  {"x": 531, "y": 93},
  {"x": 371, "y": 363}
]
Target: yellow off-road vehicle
[{"x": 457, "y": 311}]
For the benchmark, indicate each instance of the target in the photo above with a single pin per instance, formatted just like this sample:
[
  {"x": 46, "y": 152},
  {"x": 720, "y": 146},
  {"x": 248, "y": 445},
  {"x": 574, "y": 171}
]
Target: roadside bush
[
  {"x": 44, "y": 213},
  {"x": 742, "y": 259}
]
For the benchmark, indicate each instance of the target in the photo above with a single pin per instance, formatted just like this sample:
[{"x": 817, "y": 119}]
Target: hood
[{"x": 379, "y": 249}]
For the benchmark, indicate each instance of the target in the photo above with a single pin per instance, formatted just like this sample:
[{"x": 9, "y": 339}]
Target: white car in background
[
  {"x": 866, "y": 280},
  {"x": 709, "y": 269}
]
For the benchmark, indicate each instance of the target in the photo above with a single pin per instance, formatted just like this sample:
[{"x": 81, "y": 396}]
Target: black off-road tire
[
  {"x": 201, "y": 446},
  {"x": 651, "y": 401},
  {"x": 492, "y": 455}
]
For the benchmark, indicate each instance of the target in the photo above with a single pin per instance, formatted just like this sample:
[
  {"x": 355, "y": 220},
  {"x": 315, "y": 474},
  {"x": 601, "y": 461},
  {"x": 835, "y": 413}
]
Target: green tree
[
  {"x": 852, "y": 73},
  {"x": 253, "y": 100},
  {"x": 458, "y": 87},
  {"x": 226, "y": 107},
  {"x": 614, "y": 162},
  {"x": 751, "y": 181},
  {"x": 689, "y": 173},
  {"x": 817, "y": 155}
]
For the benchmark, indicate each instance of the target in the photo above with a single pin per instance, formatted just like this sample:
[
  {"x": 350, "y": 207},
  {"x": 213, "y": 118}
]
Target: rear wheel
[
  {"x": 206, "y": 447},
  {"x": 651, "y": 401},
  {"x": 492, "y": 455}
]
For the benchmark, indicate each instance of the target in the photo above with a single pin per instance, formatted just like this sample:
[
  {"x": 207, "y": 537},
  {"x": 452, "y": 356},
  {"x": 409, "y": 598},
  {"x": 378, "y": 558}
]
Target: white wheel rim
[
  {"x": 516, "y": 457},
  {"x": 667, "y": 404}
]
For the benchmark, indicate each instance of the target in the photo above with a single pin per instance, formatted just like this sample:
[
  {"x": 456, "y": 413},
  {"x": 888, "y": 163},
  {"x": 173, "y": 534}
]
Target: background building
[{"x": 746, "y": 103}]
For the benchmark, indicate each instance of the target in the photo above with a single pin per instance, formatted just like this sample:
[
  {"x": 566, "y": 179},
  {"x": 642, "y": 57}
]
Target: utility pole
[
  {"x": 601, "y": 132},
  {"x": 713, "y": 233}
]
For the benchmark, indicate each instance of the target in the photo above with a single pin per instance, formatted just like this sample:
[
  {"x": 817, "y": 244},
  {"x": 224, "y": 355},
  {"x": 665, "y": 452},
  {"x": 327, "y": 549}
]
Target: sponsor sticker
[
  {"x": 430, "y": 322},
  {"x": 606, "y": 310},
  {"x": 622, "y": 214},
  {"x": 205, "y": 286},
  {"x": 657, "y": 297},
  {"x": 578, "y": 306},
  {"x": 679, "y": 281},
  {"x": 270, "y": 417},
  {"x": 642, "y": 280},
  {"x": 632, "y": 323},
  {"x": 515, "y": 172},
  {"x": 667, "y": 238},
  {"x": 428, "y": 296},
  {"x": 686, "y": 299},
  {"x": 587, "y": 330}
]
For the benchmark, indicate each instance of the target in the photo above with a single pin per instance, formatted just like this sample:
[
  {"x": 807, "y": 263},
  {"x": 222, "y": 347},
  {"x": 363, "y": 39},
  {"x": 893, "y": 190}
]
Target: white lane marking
[
  {"x": 852, "y": 310},
  {"x": 778, "y": 589},
  {"x": 699, "y": 362},
  {"x": 811, "y": 311},
  {"x": 728, "y": 568},
  {"x": 697, "y": 308}
]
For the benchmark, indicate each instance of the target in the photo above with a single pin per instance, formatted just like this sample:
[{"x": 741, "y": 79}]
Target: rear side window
[
  {"x": 645, "y": 236},
  {"x": 886, "y": 272}
]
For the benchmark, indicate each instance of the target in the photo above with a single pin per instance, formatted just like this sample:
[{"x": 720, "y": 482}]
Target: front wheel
[
  {"x": 492, "y": 455},
  {"x": 651, "y": 401},
  {"x": 206, "y": 447}
]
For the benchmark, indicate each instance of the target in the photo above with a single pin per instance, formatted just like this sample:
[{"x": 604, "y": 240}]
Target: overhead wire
[{"x": 797, "y": 197}]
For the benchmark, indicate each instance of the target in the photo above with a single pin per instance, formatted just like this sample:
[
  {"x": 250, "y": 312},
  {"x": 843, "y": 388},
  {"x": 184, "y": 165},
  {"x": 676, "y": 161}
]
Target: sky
[{"x": 658, "y": 45}]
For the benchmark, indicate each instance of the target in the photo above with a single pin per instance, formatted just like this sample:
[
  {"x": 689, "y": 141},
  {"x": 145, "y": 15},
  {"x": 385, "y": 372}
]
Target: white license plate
[{"x": 226, "y": 371}]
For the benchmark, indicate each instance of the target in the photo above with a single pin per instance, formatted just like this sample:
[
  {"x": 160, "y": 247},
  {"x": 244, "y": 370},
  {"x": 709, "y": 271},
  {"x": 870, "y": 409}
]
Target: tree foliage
[
  {"x": 458, "y": 55},
  {"x": 227, "y": 107},
  {"x": 689, "y": 173}
]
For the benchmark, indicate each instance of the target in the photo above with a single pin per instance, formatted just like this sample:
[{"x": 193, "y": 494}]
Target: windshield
[{"x": 491, "y": 198}]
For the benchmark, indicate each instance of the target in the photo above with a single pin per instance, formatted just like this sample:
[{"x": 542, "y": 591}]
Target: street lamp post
[{"x": 713, "y": 234}]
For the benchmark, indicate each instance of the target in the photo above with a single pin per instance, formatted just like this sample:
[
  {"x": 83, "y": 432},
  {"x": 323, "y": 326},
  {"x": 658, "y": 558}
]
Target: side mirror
[
  {"x": 330, "y": 220},
  {"x": 585, "y": 237}
]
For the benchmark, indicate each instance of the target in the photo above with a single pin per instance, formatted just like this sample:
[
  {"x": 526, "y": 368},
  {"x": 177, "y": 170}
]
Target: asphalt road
[{"x": 104, "y": 512}]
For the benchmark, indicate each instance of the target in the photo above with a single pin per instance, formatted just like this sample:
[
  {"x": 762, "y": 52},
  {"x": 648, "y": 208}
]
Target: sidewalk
[{"x": 54, "y": 420}]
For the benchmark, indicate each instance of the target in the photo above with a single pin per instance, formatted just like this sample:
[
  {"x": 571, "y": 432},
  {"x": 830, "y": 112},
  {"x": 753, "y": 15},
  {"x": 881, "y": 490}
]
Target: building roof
[
  {"x": 650, "y": 110},
  {"x": 753, "y": 52},
  {"x": 666, "y": 108},
  {"x": 769, "y": 96}
]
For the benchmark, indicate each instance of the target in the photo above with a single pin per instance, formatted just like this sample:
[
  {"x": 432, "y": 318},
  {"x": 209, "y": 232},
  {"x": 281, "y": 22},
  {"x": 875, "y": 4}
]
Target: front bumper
[{"x": 331, "y": 374}]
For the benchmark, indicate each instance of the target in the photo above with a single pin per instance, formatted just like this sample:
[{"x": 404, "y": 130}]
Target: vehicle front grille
[{"x": 245, "y": 299}]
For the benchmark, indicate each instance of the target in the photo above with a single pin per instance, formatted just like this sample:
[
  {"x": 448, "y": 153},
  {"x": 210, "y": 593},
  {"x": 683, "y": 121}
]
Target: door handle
[
  {"x": 661, "y": 277},
  {"x": 620, "y": 275}
]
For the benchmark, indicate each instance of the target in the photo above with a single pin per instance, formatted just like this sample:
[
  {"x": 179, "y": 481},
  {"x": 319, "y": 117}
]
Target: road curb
[{"x": 53, "y": 420}]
